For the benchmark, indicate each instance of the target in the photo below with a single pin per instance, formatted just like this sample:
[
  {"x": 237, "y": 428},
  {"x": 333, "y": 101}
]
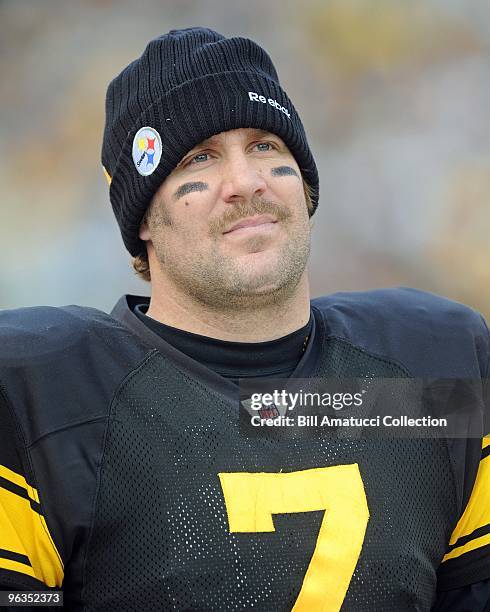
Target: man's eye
[
  {"x": 264, "y": 146},
  {"x": 200, "y": 157}
]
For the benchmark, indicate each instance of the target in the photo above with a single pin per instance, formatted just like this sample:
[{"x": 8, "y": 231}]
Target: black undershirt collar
[{"x": 234, "y": 360}]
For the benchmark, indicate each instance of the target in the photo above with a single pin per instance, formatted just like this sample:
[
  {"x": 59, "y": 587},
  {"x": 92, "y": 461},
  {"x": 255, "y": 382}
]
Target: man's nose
[{"x": 242, "y": 179}]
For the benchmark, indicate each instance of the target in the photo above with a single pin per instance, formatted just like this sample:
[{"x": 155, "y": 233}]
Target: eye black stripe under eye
[
  {"x": 187, "y": 188},
  {"x": 284, "y": 171}
]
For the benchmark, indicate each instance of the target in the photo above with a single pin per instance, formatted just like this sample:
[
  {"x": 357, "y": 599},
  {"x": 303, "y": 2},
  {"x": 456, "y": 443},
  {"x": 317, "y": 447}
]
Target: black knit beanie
[{"x": 187, "y": 86}]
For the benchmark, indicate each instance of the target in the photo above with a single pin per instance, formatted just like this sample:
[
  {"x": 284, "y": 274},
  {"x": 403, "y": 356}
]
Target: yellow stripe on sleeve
[
  {"x": 473, "y": 545},
  {"x": 477, "y": 511},
  {"x": 24, "y": 531},
  {"x": 15, "y": 566},
  {"x": 20, "y": 481}
]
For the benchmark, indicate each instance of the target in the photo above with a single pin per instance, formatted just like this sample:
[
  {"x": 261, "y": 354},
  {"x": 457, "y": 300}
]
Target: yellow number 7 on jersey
[{"x": 252, "y": 498}]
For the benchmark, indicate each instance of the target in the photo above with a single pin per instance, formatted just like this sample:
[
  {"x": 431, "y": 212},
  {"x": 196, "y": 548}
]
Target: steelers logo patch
[{"x": 147, "y": 150}]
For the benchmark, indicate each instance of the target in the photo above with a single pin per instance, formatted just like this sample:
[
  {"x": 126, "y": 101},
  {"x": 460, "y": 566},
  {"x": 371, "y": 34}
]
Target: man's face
[{"x": 230, "y": 226}]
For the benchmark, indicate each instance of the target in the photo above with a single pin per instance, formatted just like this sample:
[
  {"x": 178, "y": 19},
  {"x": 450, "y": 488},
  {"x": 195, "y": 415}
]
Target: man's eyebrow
[
  {"x": 259, "y": 132},
  {"x": 206, "y": 142},
  {"x": 201, "y": 145},
  {"x": 256, "y": 133}
]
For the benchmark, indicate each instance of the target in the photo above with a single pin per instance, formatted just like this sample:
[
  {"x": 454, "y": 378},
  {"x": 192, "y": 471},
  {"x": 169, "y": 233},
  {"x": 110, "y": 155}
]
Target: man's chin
[{"x": 263, "y": 282}]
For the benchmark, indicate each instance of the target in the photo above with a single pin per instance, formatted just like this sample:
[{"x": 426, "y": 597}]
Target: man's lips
[{"x": 252, "y": 222}]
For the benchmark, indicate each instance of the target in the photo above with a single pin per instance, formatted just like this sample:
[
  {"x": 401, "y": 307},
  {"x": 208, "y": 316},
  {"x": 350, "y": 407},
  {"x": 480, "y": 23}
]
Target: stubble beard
[{"x": 223, "y": 283}]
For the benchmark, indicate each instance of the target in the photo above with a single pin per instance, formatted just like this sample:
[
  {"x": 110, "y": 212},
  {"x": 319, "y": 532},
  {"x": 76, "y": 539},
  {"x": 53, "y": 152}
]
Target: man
[{"x": 126, "y": 480}]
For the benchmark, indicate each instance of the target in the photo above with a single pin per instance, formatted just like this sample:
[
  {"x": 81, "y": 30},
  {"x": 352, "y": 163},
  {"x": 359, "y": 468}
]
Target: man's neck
[{"x": 258, "y": 323}]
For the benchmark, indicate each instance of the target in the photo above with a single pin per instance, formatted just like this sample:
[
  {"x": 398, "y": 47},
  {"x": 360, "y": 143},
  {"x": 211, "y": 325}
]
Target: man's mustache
[{"x": 241, "y": 210}]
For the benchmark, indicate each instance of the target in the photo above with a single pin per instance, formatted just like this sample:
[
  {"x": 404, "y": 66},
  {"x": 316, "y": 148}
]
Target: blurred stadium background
[{"x": 394, "y": 96}]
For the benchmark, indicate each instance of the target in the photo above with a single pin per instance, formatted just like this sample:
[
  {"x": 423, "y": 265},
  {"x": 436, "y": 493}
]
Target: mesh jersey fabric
[{"x": 123, "y": 441}]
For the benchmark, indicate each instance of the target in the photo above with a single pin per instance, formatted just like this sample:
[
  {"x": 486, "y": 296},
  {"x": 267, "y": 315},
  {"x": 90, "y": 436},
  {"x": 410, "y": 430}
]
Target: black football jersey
[{"x": 125, "y": 478}]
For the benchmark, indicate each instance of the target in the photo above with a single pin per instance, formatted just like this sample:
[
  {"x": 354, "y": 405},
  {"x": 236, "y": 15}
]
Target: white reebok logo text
[{"x": 255, "y": 97}]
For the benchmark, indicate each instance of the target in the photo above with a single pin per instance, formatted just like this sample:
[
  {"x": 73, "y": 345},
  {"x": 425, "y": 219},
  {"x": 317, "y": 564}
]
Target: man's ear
[{"x": 144, "y": 233}]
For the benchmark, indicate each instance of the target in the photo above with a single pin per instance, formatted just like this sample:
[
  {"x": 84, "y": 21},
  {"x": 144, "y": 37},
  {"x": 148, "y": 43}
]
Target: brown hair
[{"x": 141, "y": 265}]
